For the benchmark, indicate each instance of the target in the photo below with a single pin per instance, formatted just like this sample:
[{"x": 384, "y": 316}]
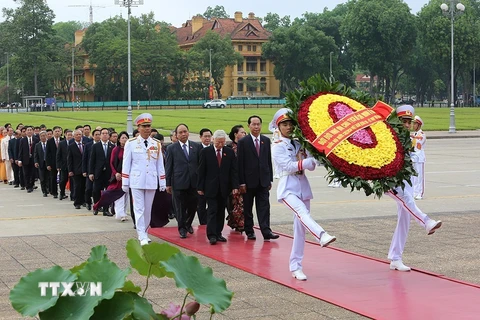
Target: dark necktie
[
  {"x": 257, "y": 146},
  {"x": 146, "y": 143},
  {"x": 30, "y": 145},
  {"x": 80, "y": 148},
  {"x": 105, "y": 149},
  {"x": 44, "y": 153},
  {"x": 56, "y": 142},
  {"x": 185, "y": 150},
  {"x": 219, "y": 157}
]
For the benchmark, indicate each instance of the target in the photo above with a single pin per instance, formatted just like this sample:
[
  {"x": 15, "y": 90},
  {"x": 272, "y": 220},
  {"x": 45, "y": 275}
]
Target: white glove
[
  {"x": 309, "y": 164},
  {"x": 162, "y": 187},
  {"x": 125, "y": 189}
]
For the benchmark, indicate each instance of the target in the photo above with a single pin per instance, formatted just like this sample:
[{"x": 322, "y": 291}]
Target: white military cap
[
  {"x": 405, "y": 111},
  {"x": 144, "y": 118},
  {"x": 419, "y": 120},
  {"x": 280, "y": 116}
]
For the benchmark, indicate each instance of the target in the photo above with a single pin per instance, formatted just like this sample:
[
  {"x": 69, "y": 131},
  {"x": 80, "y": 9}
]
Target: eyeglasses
[{"x": 145, "y": 125}]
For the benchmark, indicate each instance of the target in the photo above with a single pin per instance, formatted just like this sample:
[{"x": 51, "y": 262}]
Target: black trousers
[
  {"x": 53, "y": 182},
  {"x": 63, "y": 181},
  {"x": 79, "y": 181},
  {"x": 215, "y": 215},
  {"x": 43, "y": 175},
  {"x": 88, "y": 191},
  {"x": 29, "y": 174},
  {"x": 99, "y": 184},
  {"x": 16, "y": 174},
  {"x": 186, "y": 205},
  {"x": 262, "y": 205},
  {"x": 202, "y": 209}
]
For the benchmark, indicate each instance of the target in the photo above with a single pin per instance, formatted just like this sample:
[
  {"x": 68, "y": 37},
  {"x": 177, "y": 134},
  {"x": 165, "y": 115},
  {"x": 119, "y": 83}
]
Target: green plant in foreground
[{"x": 121, "y": 298}]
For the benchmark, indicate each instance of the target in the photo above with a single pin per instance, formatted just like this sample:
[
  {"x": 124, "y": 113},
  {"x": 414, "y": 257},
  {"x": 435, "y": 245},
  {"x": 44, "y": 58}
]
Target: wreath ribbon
[{"x": 341, "y": 130}]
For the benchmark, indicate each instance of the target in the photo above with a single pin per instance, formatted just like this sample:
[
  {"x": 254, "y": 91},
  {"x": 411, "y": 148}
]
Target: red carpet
[{"x": 358, "y": 283}]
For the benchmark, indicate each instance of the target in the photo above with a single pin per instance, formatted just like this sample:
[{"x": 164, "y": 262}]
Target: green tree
[
  {"x": 66, "y": 30},
  {"x": 381, "y": 35},
  {"x": 298, "y": 52},
  {"x": 436, "y": 38},
  {"x": 272, "y": 21},
  {"x": 216, "y": 12},
  {"x": 30, "y": 32},
  {"x": 222, "y": 55}
]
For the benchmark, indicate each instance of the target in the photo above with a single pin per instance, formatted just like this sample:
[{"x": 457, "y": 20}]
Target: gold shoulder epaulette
[
  {"x": 131, "y": 139},
  {"x": 156, "y": 140}
]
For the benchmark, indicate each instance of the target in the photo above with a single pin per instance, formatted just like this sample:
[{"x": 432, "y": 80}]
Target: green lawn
[{"x": 196, "y": 119}]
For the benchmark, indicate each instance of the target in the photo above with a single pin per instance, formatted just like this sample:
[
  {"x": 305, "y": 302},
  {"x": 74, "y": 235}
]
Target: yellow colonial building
[
  {"x": 251, "y": 78},
  {"x": 254, "y": 76}
]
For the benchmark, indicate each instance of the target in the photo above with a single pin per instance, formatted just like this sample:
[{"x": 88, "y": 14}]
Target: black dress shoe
[
  {"x": 107, "y": 214},
  {"x": 271, "y": 236},
  {"x": 89, "y": 206},
  {"x": 251, "y": 236},
  {"x": 183, "y": 234},
  {"x": 22, "y": 188},
  {"x": 78, "y": 207},
  {"x": 221, "y": 239},
  {"x": 190, "y": 230},
  {"x": 35, "y": 187},
  {"x": 171, "y": 216},
  {"x": 10, "y": 183},
  {"x": 55, "y": 196},
  {"x": 45, "y": 195},
  {"x": 95, "y": 212},
  {"x": 84, "y": 205},
  {"x": 30, "y": 190},
  {"x": 63, "y": 197},
  {"x": 213, "y": 240},
  {"x": 16, "y": 186}
]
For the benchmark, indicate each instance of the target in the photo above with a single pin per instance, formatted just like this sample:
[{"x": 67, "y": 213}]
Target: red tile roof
[{"x": 248, "y": 29}]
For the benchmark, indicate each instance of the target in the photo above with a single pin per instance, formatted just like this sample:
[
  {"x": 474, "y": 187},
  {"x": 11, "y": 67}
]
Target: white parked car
[{"x": 215, "y": 103}]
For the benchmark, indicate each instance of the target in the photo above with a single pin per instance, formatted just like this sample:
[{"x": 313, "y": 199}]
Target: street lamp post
[
  {"x": 73, "y": 76},
  {"x": 128, "y": 4},
  {"x": 452, "y": 11},
  {"x": 8, "y": 83},
  {"x": 210, "y": 89}
]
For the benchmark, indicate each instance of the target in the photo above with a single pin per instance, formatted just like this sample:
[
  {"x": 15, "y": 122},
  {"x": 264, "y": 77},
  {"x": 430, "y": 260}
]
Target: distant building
[
  {"x": 254, "y": 76},
  {"x": 251, "y": 78}
]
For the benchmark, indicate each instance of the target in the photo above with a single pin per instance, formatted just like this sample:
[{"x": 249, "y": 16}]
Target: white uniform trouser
[
  {"x": 8, "y": 168},
  {"x": 419, "y": 181},
  {"x": 142, "y": 205},
  {"x": 301, "y": 221},
  {"x": 406, "y": 209},
  {"x": 121, "y": 206}
]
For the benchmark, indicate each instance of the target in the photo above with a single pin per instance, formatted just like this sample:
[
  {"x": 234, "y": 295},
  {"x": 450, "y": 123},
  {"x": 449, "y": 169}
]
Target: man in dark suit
[
  {"x": 99, "y": 170},
  {"x": 85, "y": 163},
  {"x": 255, "y": 175},
  {"x": 39, "y": 158},
  {"x": 62, "y": 167},
  {"x": 206, "y": 139},
  {"x": 181, "y": 175},
  {"x": 23, "y": 134},
  {"x": 51, "y": 160},
  {"x": 217, "y": 177},
  {"x": 12, "y": 154},
  {"x": 25, "y": 158},
  {"x": 74, "y": 164}
]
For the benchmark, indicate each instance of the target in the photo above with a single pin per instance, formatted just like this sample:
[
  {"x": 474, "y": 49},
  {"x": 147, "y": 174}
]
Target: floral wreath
[{"x": 361, "y": 146}]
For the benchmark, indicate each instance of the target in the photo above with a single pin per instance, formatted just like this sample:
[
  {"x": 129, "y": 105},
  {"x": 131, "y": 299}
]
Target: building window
[
  {"x": 254, "y": 48},
  {"x": 240, "y": 85},
  {"x": 263, "y": 84},
  {"x": 252, "y": 84},
  {"x": 240, "y": 67},
  {"x": 251, "y": 64},
  {"x": 249, "y": 48},
  {"x": 240, "y": 47},
  {"x": 263, "y": 65}
]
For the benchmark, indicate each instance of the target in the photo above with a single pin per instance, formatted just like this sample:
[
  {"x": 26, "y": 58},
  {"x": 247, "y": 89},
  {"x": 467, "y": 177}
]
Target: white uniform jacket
[
  {"x": 419, "y": 139},
  {"x": 143, "y": 166},
  {"x": 287, "y": 161}
]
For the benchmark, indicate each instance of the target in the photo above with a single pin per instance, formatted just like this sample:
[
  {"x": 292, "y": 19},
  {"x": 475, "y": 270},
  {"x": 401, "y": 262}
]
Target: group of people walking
[{"x": 207, "y": 177}]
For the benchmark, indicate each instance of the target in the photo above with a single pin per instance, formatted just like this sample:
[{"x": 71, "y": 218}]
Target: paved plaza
[{"x": 37, "y": 232}]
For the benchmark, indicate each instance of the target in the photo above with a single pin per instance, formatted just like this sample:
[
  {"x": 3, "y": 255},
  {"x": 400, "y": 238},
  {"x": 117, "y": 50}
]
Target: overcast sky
[{"x": 177, "y": 12}]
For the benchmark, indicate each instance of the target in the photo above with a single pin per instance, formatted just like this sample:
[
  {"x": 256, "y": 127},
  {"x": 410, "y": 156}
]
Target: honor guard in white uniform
[
  {"x": 293, "y": 190},
  {"x": 143, "y": 172},
  {"x": 406, "y": 208},
  {"x": 418, "y": 158}
]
